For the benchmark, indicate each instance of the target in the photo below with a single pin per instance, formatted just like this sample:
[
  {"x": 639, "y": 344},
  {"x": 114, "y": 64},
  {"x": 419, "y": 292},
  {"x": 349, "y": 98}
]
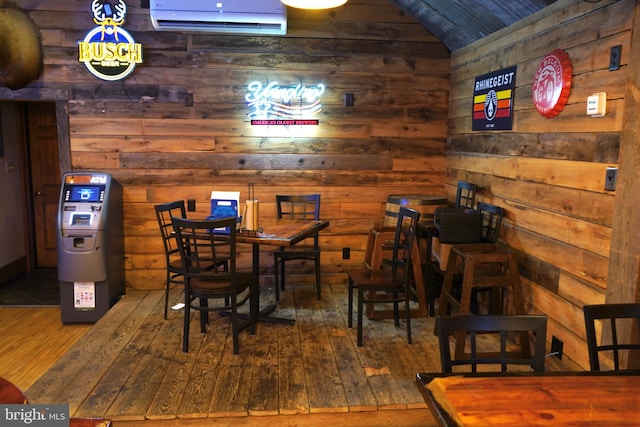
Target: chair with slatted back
[
  {"x": 466, "y": 195},
  {"x": 204, "y": 256},
  {"x": 390, "y": 285},
  {"x": 492, "y": 217},
  {"x": 174, "y": 273},
  {"x": 507, "y": 327},
  {"x": 611, "y": 317},
  {"x": 304, "y": 207}
]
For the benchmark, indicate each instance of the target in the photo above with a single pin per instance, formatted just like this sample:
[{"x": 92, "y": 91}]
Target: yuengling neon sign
[{"x": 273, "y": 104}]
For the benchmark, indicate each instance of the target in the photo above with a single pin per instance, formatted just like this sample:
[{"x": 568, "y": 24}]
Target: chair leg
[
  {"x": 318, "y": 291},
  {"x": 396, "y": 309},
  {"x": 187, "y": 314},
  {"x": 350, "y": 308},
  {"x": 360, "y": 310},
  {"x": 234, "y": 325},
  {"x": 166, "y": 297},
  {"x": 407, "y": 313},
  {"x": 204, "y": 316}
]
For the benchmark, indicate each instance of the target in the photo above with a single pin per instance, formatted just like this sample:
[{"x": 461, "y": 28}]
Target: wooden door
[{"x": 45, "y": 180}]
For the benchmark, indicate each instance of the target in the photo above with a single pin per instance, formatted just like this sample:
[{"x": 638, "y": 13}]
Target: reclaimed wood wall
[
  {"x": 141, "y": 130},
  {"x": 549, "y": 173}
]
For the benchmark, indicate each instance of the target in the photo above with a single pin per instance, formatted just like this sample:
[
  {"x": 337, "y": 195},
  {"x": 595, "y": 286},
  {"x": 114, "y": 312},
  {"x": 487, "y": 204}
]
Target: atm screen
[{"x": 84, "y": 193}]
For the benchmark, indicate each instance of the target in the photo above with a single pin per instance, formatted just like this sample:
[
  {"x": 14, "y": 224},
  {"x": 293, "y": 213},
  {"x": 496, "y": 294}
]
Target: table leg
[{"x": 262, "y": 315}]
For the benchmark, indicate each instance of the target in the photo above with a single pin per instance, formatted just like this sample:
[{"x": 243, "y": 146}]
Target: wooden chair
[
  {"x": 466, "y": 195},
  {"x": 492, "y": 217},
  {"x": 174, "y": 272},
  {"x": 504, "y": 325},
  {"x": 610, "y": 314},
  {"x": 305, "y": 207},
  {"x": 390, "y": 285},
  {"x": 379, "y": 246},
  {"x": 202, "y": 253}
]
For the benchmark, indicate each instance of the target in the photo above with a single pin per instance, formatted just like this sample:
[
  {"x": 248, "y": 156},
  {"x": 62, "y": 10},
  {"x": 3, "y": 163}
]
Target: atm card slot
[{"x": 81, "y": 219}]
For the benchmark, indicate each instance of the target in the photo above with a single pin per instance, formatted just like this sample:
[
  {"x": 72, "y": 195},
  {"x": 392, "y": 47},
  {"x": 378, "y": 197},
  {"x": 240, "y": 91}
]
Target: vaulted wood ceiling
[{"x": 458, "y": 23}]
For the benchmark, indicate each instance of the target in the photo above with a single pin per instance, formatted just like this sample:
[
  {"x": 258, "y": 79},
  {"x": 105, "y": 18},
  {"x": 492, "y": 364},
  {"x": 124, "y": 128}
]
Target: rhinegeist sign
[{"x": 108, "y": 51}]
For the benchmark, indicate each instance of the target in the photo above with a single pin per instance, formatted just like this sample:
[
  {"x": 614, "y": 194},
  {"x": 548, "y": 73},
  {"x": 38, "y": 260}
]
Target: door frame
[{"x": 60, "y": 98}]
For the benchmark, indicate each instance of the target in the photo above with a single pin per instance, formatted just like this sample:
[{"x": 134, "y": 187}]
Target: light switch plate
[
  {"x": 614, "y": 58},
  {"x": 610, "y": 179}
]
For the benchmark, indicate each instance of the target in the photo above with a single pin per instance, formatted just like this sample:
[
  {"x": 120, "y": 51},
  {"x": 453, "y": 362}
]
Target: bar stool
[{"x": 484, "y": 266}]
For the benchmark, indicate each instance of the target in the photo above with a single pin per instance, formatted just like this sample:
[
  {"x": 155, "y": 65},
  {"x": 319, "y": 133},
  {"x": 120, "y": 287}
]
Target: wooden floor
[
  {"x": 130, "y": 367},
  {"x": 32, "y": 340}
]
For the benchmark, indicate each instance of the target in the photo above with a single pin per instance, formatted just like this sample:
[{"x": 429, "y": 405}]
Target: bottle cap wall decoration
[{"x": 552, "y": 83}]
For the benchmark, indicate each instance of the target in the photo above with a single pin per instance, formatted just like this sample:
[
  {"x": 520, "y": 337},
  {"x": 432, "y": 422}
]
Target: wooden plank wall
[
  {"x": 392, "y": 141},
  {"x": 549, "y": 173}
]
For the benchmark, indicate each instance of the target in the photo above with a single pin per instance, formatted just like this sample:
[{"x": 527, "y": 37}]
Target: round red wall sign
[{"x": 552, "y": 83}]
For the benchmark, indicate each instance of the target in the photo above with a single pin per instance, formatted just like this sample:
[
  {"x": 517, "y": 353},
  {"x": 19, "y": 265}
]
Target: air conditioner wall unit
[{"x": 224, "y": 16}]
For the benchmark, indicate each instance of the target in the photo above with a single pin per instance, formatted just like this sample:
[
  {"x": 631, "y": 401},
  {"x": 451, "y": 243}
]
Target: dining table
[
  {"x": 578, "y": 398},
  {"x": 274, "y": 232}
]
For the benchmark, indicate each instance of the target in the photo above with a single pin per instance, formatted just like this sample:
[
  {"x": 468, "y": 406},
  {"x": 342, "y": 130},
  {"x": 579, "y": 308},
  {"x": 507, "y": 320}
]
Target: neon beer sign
[
  {"x": 273, "y": 104},
  {"x": 108, "y": 51}
]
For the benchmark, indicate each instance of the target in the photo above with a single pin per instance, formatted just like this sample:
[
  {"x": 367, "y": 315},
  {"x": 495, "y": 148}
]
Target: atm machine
[{"x": 90, "y": 246}]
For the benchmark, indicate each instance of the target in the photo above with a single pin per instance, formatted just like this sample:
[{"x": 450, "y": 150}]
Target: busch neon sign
[
  {"x": 108, "y": 51},
  {"x": 273, "y": 104}
]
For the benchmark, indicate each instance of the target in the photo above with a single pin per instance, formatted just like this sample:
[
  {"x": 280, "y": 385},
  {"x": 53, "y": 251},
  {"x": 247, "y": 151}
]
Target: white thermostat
[{"x": 597, "y": 104}]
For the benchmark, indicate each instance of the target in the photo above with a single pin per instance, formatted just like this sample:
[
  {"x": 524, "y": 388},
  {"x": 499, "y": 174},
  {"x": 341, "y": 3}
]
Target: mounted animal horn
[{"x": 20, "y": 47}]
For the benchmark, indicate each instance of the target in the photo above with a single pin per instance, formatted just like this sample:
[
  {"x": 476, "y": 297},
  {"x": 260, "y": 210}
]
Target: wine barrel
[{"x": 426, "y": 204}]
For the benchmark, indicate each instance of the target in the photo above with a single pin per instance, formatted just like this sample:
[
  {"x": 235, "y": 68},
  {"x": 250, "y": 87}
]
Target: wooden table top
[
  {"x": 549, "y": 400},
  {"x": 282, "y": 232}
]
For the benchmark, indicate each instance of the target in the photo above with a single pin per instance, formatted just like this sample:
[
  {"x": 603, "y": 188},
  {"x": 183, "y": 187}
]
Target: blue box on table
[{"x": 224, "y": 204}]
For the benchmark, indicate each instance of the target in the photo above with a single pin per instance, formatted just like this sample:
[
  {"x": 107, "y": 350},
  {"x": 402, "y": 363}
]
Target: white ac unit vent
[{"x": 224, "y": 16}]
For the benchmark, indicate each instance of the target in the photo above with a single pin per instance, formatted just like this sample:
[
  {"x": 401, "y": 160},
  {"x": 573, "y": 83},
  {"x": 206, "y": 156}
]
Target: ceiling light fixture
[{"x": 314, "y": 4}]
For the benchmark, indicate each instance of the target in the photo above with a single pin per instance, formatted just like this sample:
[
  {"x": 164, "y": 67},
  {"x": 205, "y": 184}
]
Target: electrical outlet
[
  {"x": 346, "y": 253},
  {"x": 556, "y": 347},
  {"x": 348, "y": 99},
  {"x": 188, "y": 100},
  {"x": 614, "y": 58},
  {"x": 191, "y": 205},
  {"x": 610, "y": 179}
]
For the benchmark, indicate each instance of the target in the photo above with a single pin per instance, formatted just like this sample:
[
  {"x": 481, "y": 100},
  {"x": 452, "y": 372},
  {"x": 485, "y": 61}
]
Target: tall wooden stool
[{"x": 484, "y": 266}]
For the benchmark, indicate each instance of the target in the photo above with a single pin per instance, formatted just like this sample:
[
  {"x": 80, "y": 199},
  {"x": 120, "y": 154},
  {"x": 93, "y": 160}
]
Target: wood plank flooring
[
  {"x": 130, "y": 365},
  {"x": 32, "y": 340}
]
